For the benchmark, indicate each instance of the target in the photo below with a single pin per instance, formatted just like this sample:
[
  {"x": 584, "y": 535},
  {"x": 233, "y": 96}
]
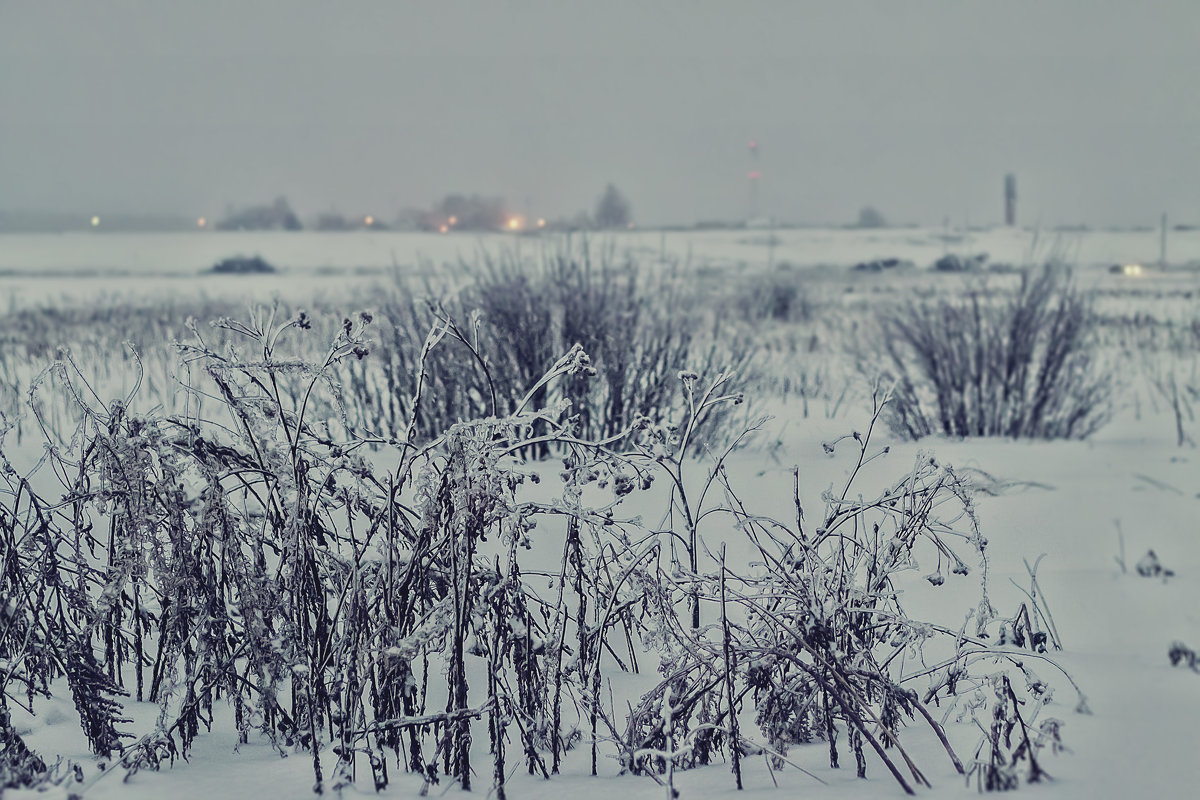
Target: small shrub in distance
[
  {"x": 1183, "y": 656},
  {"x": 1148, "y": 566},
  {"x": 776, "y": 295}
]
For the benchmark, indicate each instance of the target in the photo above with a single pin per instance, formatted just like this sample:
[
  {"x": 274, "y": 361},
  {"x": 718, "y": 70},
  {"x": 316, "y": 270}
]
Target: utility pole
[
  {"x": 1162, "y": 248},
  {"x": 754, "y": 177},
  {"x": 771, "y": 244}
]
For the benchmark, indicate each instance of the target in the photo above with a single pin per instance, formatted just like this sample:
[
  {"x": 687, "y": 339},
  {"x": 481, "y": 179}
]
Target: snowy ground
[
  {"x": 1066, "y": 500},
  {"x": 1116, "y": 627}
]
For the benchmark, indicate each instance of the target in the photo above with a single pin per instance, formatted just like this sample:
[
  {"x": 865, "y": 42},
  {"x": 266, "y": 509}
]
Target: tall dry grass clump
[
  {"x": 1019, "y": 363},
  {"x": 514, "y": 314}
]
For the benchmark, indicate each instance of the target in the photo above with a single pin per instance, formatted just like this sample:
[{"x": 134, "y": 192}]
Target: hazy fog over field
[{"x": 916, "y": 108}]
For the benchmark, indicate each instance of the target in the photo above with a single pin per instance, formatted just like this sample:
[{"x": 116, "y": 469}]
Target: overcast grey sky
[{"x": 917, "y": 108}]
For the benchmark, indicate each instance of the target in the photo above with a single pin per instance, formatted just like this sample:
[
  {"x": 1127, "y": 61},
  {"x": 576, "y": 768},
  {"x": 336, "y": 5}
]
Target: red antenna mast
[{"x": 754, "y": 176}]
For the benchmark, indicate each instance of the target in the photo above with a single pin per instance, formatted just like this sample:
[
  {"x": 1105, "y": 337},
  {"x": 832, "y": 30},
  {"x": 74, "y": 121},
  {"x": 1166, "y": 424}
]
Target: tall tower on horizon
[
  {"x": 1010, "y": 199},
  {"x": 753, "y": 177}
]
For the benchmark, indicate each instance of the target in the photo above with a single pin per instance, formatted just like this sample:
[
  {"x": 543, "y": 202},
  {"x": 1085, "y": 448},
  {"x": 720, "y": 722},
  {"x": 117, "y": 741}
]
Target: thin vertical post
[{"x": 1162, "y": 248}]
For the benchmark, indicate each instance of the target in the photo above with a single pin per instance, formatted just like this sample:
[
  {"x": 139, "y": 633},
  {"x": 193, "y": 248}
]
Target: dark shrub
[
  {"x": 241, "y": 265},
  {"x": 881, "y": 264},
  {"x": 956, "y": 263}
]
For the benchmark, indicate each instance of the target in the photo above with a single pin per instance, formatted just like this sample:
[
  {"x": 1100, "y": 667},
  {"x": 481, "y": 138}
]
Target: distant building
[{"x": 1010, "y": 199}]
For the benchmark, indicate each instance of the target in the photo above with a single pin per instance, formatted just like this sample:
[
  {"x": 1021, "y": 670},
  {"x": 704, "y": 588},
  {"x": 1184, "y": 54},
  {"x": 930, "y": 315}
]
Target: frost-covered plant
[
  {"x": 20, "y": 767},
  {"x": 1012, "y": 740},
  {"x": 245, "y": 554},
  {"x": 814, "y": 637},
  {"x": 1149, "y": 566}
]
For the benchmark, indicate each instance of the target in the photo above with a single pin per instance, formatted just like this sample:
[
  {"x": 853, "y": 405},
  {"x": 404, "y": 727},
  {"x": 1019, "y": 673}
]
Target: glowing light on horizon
[
  {"x": 443, "y": 229},
  {"x": 453, "y": 221},
  {"x": 201, "y": 222},
  {"x": 95, "y": 222},
  {"x": 514, "y": 223},
  {"x": 541, "y": 223},
  {"x": 368, "y": 220}
]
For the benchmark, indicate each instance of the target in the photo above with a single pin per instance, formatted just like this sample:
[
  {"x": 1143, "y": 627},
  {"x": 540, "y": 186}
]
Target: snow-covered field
[
  {"x": 53, "y": 268},
  {"x": 1116, "y": 627},
  {"x": 1089, "y": 510}
]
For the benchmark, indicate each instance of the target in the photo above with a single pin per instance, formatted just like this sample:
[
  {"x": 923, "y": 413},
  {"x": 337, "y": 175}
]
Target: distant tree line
[
  {"x": 464, "y": 212},
  {"x": 460, "y": 212},
  {"x": 274, "y": 217}
]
